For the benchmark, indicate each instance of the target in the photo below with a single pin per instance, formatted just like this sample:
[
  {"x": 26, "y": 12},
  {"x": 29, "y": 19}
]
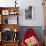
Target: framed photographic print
[
  {"x": 29, "y": 13},
  {"x": 5, "y": 12},
  {"x": 13, "y": 12}
]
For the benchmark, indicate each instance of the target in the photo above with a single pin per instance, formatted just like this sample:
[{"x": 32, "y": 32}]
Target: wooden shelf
[
  {"x": 10, "y": 43},
  {"x": 4, "y": 13},
  {"x": 5, "y": 8},
  {"x": 11, "y": 26}
]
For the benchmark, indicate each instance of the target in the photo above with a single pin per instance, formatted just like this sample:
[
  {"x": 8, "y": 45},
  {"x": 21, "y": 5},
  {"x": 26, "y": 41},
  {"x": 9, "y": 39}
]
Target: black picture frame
[{"x": 28, "y": 13}]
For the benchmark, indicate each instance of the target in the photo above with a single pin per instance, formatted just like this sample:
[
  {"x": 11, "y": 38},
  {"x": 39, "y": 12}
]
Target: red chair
[{"x": 29, "y": 33}]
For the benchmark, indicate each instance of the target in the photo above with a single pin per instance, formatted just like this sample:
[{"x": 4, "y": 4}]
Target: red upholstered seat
[{"x": 29, "y": 33}]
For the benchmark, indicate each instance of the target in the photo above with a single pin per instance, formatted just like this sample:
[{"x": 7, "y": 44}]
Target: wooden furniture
[
  {"x": 0, "y": 43},
  {"x": 5, "y": 13},
  {"x": 11, "y": 26},
  {"x": 44, "y": 9},
  {"x": 44, "y": 35},
  {"x": 8, "y": 11},
  {"x": 10, "y": 43}
]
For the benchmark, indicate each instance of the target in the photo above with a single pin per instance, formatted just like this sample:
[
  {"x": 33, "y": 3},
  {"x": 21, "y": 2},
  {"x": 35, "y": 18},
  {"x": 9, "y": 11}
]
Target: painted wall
[
  {"x": 38, "y": 10},
  {"x": 37, "y": 29}
]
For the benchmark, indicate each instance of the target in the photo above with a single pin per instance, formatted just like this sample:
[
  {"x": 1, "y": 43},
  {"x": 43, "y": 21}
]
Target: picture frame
[
  {"x": 13, "y": 12},
  {"x": 5, "y": 12},
  {"x": 30, "y": 13}
]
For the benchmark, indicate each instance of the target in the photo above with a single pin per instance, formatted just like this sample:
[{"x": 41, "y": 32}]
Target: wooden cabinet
[
  {"x": 6, "y": 12},
  {"x": 44, "y": 8},
  {"x": 7, "y": 26},
  {"x": 0, "y": 43},
  {"x": 10, "y": 43},
  {"x": 44, "y": 36}
]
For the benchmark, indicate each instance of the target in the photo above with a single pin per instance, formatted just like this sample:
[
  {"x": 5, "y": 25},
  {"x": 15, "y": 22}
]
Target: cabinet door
[
  {"x": 0, "y": 43},
  {"x": 5, "y": 12}
]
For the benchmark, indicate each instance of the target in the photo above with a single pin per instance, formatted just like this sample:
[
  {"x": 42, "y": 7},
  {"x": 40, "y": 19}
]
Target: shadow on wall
[{"x": 37, "y": 29}]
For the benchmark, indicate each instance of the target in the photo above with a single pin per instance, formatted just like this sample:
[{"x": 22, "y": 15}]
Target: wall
[
  {"x": 36, "y": 21},
  {"x": 37, "y": 29},
  {"x": 38, "y": 8}
]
